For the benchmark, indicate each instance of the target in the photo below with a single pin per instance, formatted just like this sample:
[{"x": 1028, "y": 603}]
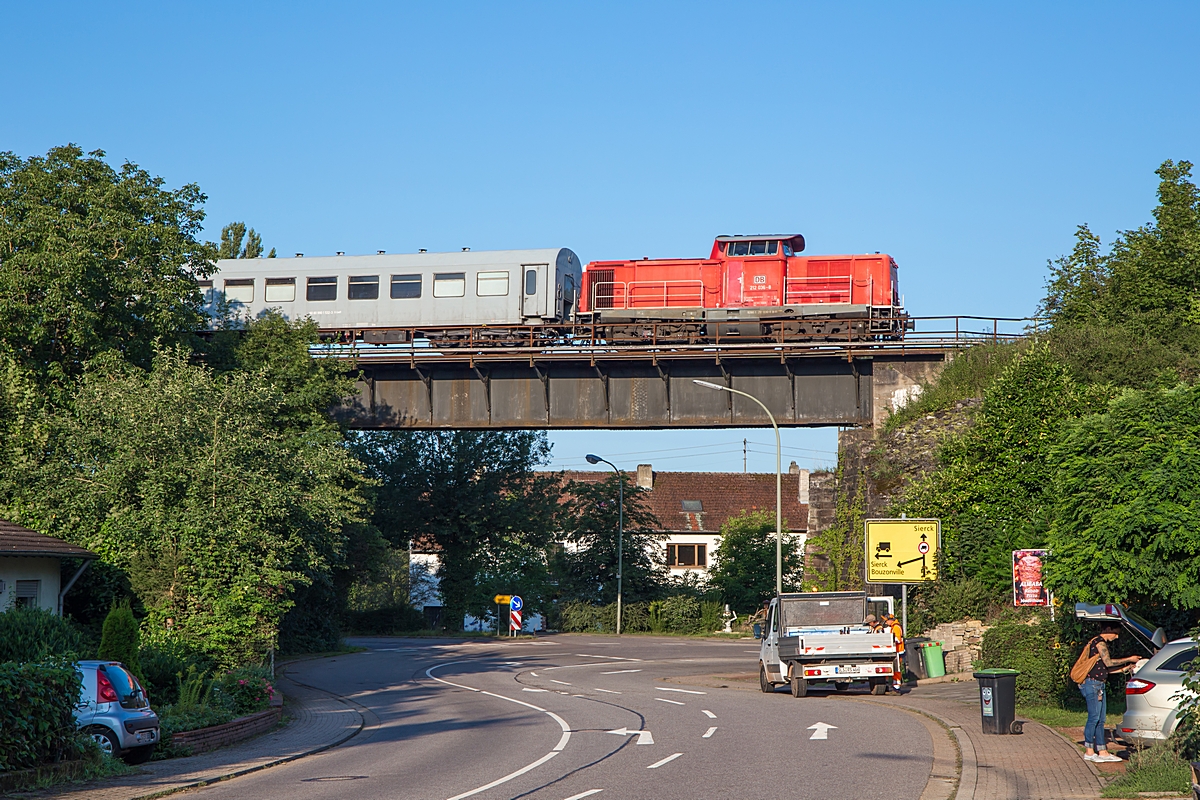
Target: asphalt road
[{"x": 548, "y": 719}]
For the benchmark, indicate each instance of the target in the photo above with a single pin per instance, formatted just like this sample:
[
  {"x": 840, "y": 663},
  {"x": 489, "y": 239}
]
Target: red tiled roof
[
  {"x": 18, "y": 541},
  {"x": 721, "y": 494}
]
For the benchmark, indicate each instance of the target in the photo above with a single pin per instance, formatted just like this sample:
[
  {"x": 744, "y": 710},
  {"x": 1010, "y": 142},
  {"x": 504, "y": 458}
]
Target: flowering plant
[{"x": 245, "y": 690}]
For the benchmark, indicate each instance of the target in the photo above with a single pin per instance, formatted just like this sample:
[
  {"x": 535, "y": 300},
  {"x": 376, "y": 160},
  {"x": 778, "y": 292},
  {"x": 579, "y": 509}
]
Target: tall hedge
[
  {"x": 31, "y": 634},
  {"x": 36, "y": 724},
  {"x": 1036, "y": 651}
]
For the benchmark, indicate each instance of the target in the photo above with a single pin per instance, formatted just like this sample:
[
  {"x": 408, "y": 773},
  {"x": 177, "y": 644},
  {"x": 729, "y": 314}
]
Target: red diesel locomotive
[{"x": 751, "y": 287}]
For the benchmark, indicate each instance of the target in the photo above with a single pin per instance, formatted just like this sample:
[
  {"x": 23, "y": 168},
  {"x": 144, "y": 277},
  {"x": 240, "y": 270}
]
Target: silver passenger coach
[{"x": 425, "y": 290}]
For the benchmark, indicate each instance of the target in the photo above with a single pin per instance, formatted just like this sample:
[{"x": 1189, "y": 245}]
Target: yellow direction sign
[
  {"x": 902, "y": 550},
  {"x": 502, "y": 599}
]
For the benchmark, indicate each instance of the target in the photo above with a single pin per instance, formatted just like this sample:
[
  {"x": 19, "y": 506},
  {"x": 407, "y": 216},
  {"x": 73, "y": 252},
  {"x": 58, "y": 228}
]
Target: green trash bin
[{"x": 935, "y": 662}]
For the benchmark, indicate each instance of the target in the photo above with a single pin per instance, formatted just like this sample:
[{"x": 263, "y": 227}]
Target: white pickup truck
[{"x": 822, "y": 637}]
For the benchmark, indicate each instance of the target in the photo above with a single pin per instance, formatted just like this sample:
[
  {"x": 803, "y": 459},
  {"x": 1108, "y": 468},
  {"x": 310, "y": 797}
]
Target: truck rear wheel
[
  {"x": 764, "y": 684},
  {"x": 878, "y": 686},
  {"x": 799, "y": 687}
]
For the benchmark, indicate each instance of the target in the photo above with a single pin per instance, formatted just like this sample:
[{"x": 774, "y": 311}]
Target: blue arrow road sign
[{"x": 515, "y": 604}]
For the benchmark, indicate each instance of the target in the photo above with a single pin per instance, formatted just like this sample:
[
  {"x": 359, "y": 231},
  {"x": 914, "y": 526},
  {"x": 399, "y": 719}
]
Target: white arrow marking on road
[
  {"x": 666, "y": 760},
  {"x": 710, "y": 732},
  {"x": 527, "y": 689},
  {"x": 644, "y": 737},
  {"x": 672, "y": 702},
  {"x": 821, "y": 730},
  {"x": 620, "y": 672},
  {"x": 683, "y": 691},
  {"x": 709, "y": 714},
  {"x": 582, "y": 795}
]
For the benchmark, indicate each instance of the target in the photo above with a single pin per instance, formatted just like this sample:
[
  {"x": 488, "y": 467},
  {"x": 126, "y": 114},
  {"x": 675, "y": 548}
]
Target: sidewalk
[
  {"x": 1039, "y": 764},
  {"x": 316, "y": 721}
]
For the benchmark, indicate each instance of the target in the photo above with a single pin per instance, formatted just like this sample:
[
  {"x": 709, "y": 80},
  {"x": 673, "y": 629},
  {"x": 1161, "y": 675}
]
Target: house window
[
  {"x": 687, "y": 555},
  {"x": 406, "y": 286},
  {"x": 449, "y": 284},
  {"x": 280, "y": 290},
  {"x": 694, "y": 506},
  {"x": 240, "y": 291},
  {"x": 491, "y": 284},
  {"x": 364, "y": 287},
  {"x": 27, "y": 593},
  {"x": 322, "y": 288}
]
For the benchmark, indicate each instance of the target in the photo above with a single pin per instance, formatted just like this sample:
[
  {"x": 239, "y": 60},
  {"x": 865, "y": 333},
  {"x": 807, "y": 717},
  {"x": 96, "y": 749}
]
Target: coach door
[{"x": 533, "y": 290}]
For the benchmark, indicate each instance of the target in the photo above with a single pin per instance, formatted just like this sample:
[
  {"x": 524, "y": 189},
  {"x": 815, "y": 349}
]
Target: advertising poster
[{"x": 1027, "y": 578}]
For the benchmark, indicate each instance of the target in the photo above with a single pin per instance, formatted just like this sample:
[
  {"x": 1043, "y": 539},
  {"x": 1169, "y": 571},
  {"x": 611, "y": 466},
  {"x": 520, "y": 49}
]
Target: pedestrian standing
[{"x": 1094, "y": 690}]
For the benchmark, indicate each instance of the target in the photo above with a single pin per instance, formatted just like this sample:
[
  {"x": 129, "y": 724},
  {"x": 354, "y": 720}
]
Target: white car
[{"x": 1154, "y": 693}]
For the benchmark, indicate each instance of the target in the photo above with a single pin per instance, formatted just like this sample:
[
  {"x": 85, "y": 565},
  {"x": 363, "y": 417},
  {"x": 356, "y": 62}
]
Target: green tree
[
  {"x": 840, "y": 545},
  {"x": 587, "y": 565},
  {"x": 475, "y": 498},
  {"x": 120, "y": 639},
  {"x": 231, "y": 242},
  {"x": 94, "y": 259},
  {"x": 743, "y": 568},
  {"x": 1127, "y": 502}
]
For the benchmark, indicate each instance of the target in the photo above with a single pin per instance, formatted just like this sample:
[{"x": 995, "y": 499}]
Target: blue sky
[{"x": 966, "y": 141}]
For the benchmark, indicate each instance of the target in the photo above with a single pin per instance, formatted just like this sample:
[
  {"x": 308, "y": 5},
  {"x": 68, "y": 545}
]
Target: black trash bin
[
  {"x": 916, "y": 661},
  {"x": 998, "y": 700}
]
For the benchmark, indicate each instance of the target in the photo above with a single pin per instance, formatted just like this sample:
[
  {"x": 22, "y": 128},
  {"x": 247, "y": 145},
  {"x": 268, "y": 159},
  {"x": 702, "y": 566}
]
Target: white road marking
[
  {"x": 606, "y": 691},
  {"x": 644, "y": 737},
  {"x": 709, "y": 714},
  {"x": 614, "y": 658},
  {"x": 558, "y": 748},
  {"x": 821, "y": 730},
  {"x": 682, "y": 691},
  {"x": 527, "y": 689},
  {"x": 672, "y": 702},
  {"x": 710, "y": 732},
  {"x": 620, "y": 672},
  {"x": 582, "y": 795},
  {"x": 563, "y": 683},
  {"x": 666, "y": 760},
  {"x": 534, "y": 674}
]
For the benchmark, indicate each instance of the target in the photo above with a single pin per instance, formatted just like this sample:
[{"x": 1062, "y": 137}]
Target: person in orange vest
[{"x": 892, "y": 624}]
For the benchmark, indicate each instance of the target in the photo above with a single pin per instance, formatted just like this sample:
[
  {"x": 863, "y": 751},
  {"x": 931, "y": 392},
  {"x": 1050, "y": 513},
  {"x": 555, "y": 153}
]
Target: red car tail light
[
  {"x": 105, "y": 693},
  {"x": 1138, "y": 686}
]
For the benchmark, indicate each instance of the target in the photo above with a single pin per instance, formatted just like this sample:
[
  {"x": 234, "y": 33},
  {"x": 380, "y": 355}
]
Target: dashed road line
[
  {"x": 666, "y": 760},
  {"x": 708, "y": 714},
  {"x": 682, "y": 691},
  {"x": 562, "y": 683},
  {"x": 582, "y": 795},
  {"x": 620, "y": 672},
  {"x": 708, "y": 734},
  {"x": 672, "y": 702},
  {"x": 527, "y": 689},
  {"x": 606, "y": 691}
]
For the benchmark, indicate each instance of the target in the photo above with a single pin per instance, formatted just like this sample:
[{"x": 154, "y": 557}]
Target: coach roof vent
[
  {"x": 380, "y": 252},
  {"x": 422, "y": 250},
  {"x": 299, "y": 255},
  {"x": 466, "y": 249},
  {"x": 341, "y": 252}
]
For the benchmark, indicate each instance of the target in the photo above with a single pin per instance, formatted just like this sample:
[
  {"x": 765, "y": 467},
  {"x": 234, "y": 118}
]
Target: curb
[
  {"x": 968, "y": 767},
  {"x": 362, "y": 722}
]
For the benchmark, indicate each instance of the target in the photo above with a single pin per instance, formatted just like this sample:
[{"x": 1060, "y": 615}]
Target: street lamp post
[
  {"x": 778, "y": 479},
  {"x": 594, "y": 459}
]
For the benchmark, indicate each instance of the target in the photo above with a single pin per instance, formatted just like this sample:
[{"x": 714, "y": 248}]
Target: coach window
[
  {"x": 206, "y": 292},
  {"x": 364, "y": 287},
  {"x": 240, "y": 291},
  {"x": 280, "y": 290},
  {"x": 491, "y": 284},
  {"x": 449, "y": 284},
  {"x": 531, "y": 281},
  {"x": 406, "y": 286},
  {"x": 322, "y": 288}
]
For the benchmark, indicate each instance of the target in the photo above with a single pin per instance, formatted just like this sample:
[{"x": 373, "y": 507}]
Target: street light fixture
[
  {"x": 594, "y": 459},
  {"x": 778, "y": 479}
]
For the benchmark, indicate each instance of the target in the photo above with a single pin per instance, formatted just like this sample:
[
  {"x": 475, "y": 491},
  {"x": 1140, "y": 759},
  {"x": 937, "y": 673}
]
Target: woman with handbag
[{"x": 1091, "y": 672}]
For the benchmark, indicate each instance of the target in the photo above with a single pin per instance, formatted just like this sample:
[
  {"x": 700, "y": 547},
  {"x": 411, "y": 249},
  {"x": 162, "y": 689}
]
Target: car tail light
[
  {"x": 1126, "y": 730},
  {"x": 105, "y": 693},
  {"x": 1138, "y": 686}
]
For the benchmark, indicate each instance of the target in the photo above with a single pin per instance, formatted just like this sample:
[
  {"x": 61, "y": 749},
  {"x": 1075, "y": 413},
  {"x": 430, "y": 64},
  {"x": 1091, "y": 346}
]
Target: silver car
[
  {"x": 114, "y": 709},
  {"x": 1153, "y": 695}
]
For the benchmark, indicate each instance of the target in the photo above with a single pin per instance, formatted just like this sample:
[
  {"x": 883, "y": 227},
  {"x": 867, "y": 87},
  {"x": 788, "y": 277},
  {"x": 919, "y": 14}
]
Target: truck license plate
[{"x": 849, "y": 670}]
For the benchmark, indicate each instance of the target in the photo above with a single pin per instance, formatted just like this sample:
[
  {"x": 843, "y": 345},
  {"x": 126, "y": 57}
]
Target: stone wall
[
  {"x": 205, "y": 739},
  {"x": 962, "y": 643}
]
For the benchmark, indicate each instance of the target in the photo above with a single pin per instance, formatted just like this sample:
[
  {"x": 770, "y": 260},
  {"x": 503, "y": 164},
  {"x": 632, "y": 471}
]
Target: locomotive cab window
[
  {"x": 240, "y": 291},
  {"x": 280, "y": 290},
  {"x": 531, "y": 281},
  {"x": 322, "y": 288},
  {"x": 449, "y": 284},
  {"x": 364, "y": 287},
  {"x": 763, "y": 248},
  {"x": 406, "y": 286},
  {"x": 491, "y": 284}
]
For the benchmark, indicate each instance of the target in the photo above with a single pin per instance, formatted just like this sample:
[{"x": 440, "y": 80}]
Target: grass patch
[
  {"x": 1155, "y": 769},
  {"x": 967, "y": 376},
  {"x": 1059, "y": 717}
]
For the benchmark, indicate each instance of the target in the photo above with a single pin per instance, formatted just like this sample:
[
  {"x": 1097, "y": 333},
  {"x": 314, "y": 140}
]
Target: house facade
[{"x": 31, "y": 568}]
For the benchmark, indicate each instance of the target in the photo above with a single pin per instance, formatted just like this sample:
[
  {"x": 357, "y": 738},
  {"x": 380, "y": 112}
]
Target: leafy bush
[
  {"x": 31, "y": 634},
  {"x": 385, "y": 621},
  {"x": 580, "y": 617},
  {"x": 120, "y": 640},
  {"x": 681, "y": 613},
  {"x": 243, "y": 690},
  {"x": 678, "y": 614},
  {"x": 164, "y": 664},
  {"x": 1037, "y": 652},
  {"x": 36, "y": 722},
  {"x": 949, "y": 601},
  {"x": 965, "y": 377}
]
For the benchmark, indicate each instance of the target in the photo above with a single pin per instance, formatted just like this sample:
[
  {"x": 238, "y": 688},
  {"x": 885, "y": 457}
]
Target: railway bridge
[{"x": 580, "y": 382}]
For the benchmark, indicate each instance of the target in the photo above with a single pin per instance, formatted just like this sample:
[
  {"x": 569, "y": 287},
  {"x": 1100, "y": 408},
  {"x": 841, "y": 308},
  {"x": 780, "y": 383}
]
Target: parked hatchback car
[
  {"x": 114, "y": 709},
  {"x": 1153, "y": 694}
]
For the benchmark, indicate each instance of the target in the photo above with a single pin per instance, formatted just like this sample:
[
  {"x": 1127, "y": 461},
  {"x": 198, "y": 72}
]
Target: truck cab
[{"x": 822, "y": 637}]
